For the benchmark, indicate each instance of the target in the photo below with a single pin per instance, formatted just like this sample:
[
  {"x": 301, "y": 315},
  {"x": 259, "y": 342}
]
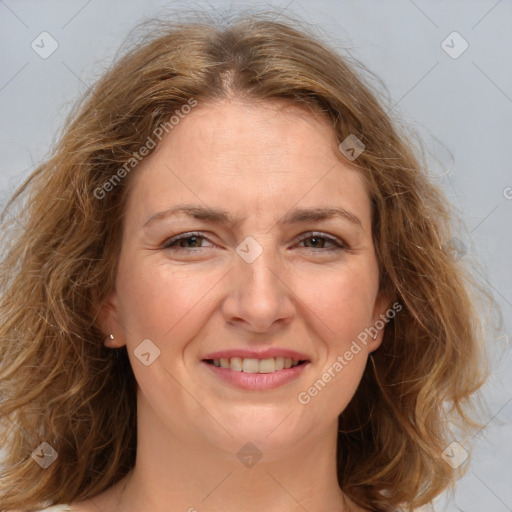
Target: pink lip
[
  {"x": 256, "y": 381},
  {"x": 257, "y": 354}
]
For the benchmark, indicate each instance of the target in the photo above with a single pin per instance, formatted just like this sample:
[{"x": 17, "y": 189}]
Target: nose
[{"x": 260, "y": 299}]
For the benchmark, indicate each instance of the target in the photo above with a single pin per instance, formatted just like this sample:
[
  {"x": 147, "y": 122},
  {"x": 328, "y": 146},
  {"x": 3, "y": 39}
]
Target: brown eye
[
  {"x": 318, "y": 241},
  {"x": 185, "y": 241}
]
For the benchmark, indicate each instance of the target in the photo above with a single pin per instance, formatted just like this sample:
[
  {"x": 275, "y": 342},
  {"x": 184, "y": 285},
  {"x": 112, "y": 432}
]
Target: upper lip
[{"x": 263, "y": 353}]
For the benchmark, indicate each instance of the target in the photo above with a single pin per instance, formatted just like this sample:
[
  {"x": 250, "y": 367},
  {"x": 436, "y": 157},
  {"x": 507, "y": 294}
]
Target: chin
[{"x": 267, "y": 427}]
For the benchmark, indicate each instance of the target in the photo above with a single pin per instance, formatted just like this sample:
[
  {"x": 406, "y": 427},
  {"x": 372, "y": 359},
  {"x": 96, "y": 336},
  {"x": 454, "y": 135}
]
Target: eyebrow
[{"x": 219, "y": 216}]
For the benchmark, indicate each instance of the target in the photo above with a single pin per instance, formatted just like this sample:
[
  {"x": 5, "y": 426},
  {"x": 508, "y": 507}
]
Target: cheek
[
  {"x": 163, "y": 305},
  {"x": 343, "y": 305},
  {"x": 342, "y": 302},
  {"x": 160, "y": 302}
]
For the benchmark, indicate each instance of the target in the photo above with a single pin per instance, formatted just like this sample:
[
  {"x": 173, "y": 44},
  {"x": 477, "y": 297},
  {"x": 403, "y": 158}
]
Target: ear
[
  {"x": 382, "y": 314},
  {"x": 110, "y": 322}
]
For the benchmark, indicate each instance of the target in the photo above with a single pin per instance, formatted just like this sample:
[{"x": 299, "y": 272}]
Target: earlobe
[
  {"x": 377, "y": 340},
  {"x": 380, "y": 320},
  {"x": 110, "y": 324},
  {"x": 110, "y": 339}
]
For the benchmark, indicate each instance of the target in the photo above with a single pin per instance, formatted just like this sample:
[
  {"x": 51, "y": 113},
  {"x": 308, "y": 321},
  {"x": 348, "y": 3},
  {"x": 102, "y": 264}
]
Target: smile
[
  {"x": 252, "y": 374},
  {"x": 252, "y": 365}
]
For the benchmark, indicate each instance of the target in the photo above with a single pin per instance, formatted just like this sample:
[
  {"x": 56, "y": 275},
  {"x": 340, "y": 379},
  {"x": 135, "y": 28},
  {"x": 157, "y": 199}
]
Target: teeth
[
  {"x": 267, "y": 365},
  {"x": 235, "y": 364},
  {"x": 249, "y": 365}
]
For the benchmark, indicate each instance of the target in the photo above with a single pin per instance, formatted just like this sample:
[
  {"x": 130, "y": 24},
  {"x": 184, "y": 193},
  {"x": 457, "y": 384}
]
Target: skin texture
[{"x": 258, "y": 161}]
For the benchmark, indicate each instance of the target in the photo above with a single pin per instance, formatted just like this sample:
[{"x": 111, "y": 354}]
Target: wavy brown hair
[{"x": 61, "y": 385}]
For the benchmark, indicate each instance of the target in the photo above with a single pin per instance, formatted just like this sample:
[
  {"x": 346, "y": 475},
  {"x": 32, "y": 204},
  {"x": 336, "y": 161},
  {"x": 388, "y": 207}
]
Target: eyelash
[{"x": 338, "y": 244}]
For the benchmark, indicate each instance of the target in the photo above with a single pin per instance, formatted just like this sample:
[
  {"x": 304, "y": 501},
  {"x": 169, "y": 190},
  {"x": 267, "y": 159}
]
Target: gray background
[{"x": 461, "y": 107}]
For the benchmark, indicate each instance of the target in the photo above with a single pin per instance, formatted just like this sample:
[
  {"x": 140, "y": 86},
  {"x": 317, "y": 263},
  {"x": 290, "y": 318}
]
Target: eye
[
  {"x": 185, "y": 241},
  {"x": 318, "y": 241}
]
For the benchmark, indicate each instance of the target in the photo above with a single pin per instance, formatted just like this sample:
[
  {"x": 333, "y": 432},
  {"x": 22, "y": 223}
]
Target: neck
[{"x": 194, "y": 475}]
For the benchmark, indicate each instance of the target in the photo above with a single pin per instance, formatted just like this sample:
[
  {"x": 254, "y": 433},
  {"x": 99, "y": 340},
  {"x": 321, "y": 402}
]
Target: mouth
[
  {"x": 261, "y": 373},
  {"x": 253, "y": 365}
]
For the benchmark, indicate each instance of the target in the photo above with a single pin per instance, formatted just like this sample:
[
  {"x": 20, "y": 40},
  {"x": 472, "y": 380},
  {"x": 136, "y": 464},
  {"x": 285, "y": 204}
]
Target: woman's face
[{"x": 255, "y": 280}]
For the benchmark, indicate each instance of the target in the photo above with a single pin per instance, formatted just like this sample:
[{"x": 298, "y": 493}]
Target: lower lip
[{"x": 257, "y": 381}]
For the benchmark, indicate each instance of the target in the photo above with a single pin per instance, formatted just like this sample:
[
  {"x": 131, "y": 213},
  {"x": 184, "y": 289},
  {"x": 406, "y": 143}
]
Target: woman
[{"x": 233, "y": 290}]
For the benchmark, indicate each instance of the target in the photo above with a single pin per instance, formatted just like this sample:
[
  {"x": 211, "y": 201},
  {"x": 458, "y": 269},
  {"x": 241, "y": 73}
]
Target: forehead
[{"x": 248, "y": 156}]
